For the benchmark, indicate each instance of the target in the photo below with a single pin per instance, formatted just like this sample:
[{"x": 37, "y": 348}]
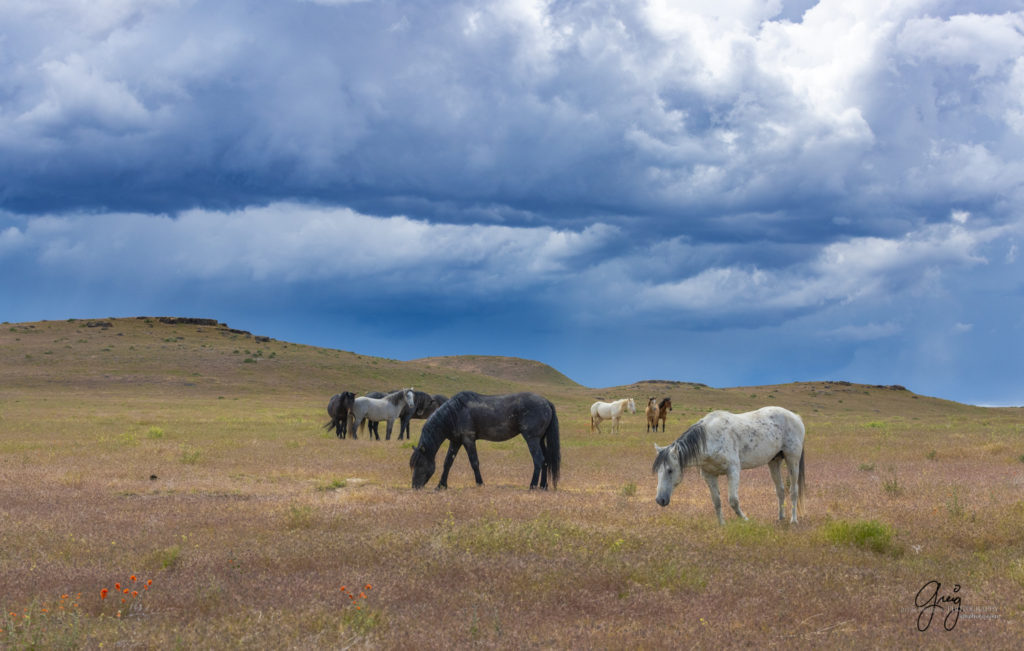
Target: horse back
[
  {"x": 501, "y": 417},
  {"x": 754, "y": 438}
]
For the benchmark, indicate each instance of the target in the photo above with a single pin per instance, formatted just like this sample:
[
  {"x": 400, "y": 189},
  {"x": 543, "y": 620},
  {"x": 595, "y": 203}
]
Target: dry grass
[{"x": 256, "y": 518}]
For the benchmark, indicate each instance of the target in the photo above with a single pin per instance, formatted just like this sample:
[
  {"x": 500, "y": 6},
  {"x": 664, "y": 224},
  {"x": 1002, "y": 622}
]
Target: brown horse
[
  {"x": 652, "y": 414},
  {"x": 664, "y": 407}
]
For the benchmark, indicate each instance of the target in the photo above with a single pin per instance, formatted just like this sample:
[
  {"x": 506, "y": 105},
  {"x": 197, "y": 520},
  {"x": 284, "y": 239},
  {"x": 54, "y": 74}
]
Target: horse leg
[
  {"x": 387, "y": 435},
  {"x": 538, "y": 463},
  {"x": 404, "y": 427},
  {"x": 775, "y": 467},
  {"x": 453, "y": 449},
  {"x": 793, "y": 464},
  {"x": 716, "y": 500},
  {"x": 474, "y": 461},
  {"x": 544, "y": 466},
  {"x": 734, "y": 489}
]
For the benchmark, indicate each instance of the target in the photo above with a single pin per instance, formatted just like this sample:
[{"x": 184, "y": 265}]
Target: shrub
[
  {"x": 869, "y": 534},
  {"x": 629, "y": 490},
  {"x": 190, "y": 455}
]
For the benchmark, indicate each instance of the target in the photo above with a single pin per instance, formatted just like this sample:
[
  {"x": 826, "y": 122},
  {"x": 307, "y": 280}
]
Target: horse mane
[
  {"x": 689, "y": 447},
  {"x": 444, "y": 420},
  {"x": 663, "y": 402}
]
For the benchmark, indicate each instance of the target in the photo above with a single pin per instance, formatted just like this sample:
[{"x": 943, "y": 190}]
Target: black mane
[
  {"x": 444, "y": 420},
  {"x": 689, "y": 447}
]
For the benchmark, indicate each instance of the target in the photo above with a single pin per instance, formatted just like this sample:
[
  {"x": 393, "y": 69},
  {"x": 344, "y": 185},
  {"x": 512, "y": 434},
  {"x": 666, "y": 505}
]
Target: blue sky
[{"x": 735, "y": 193}]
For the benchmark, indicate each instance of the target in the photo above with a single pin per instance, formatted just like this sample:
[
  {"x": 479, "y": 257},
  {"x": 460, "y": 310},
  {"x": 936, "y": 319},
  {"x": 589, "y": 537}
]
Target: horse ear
[{"x": 658, "y": 448}]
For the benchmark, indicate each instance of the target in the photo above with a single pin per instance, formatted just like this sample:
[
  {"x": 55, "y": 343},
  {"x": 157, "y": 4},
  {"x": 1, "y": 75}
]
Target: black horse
[
  {"x": 337, "y": 408},
  {"x": 425, "y": 405},
  {"x": 469, "y": 417}
]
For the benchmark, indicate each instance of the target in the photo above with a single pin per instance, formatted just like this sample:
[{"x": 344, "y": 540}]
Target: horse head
[
  {"x": 632, "y": 406},
  {"x": 410, "y": 398},
  {"x": 423, "y": 467},
  {"x": 668, "y": 466},
  {"x": 669, "y": 469}
]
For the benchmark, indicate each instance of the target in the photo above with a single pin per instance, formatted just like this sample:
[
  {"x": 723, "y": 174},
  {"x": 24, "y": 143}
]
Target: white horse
[
  {"x": 722, "y": 443},
  {"x": 609, "y": 411},
  {"x": 387, "y": 408}
]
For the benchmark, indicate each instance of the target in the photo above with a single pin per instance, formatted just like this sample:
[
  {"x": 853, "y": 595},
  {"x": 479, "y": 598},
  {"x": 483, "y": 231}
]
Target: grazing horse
[
  {"x": 609, "y": 411},
  {"x": 664, "y": 407},
  {"x": 387, "y": 408},
  {"x": 337, "y": 408},
  {"x": 470, "y": 417},
  {"x": 652, "y": 414},
  {"x": 722, "y": 443}
]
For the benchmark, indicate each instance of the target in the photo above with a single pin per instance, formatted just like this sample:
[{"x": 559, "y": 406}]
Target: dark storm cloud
[{"x": 751, "y": 182}]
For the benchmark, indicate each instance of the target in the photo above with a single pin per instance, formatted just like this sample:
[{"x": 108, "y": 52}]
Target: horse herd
[{"x": 720, "y": 443}]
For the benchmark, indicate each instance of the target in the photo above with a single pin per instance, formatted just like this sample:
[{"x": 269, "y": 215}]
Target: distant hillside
[
  {"x": 512, "y": 369},
  {"x": 173, "y": 358}
]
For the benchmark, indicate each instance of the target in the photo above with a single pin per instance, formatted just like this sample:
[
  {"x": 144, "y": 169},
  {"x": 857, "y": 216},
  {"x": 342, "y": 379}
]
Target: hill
[{"x": 193, "y": 454}]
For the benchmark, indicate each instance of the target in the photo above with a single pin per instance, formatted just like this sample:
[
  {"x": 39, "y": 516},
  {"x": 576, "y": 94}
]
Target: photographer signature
[{"x": 928, "y": 600}]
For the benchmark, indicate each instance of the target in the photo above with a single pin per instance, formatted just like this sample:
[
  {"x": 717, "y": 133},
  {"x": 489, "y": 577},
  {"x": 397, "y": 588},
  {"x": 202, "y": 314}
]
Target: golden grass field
[{"x": 194, "y": 457}]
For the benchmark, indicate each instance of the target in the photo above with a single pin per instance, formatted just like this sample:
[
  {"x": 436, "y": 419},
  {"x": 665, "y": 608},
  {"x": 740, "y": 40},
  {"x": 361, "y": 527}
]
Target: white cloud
[
  {"x": 846, "y": 271},
  {"x": 285, "y": 243}
]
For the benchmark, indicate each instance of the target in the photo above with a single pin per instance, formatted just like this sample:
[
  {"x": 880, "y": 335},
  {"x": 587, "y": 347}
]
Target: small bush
[
  {"x": 892, "y": 486},
  {"x": 629, "y": 490},
  {"x": 333, "y": 485},
  {"x": 166, "y": 558},
  {"x": 155, "y": 432},
  {"x": 866, "y": 467},
  {"x": 190, "y": 455},
  {"x": 870, "y": 534},
  {"x": 299, "y": 517}
]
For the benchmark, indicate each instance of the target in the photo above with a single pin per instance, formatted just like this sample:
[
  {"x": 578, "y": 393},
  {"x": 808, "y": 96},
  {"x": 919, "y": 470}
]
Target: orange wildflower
[
  {"x": 103, "y": 593},
  {"x": 135, "y": 593},
  {"x": 132, "y": 577},
  {"x": 117, "y": 586},
  {"x": 368, "y": 586},
  {"x": 362, "y": 595},
  {"x": 125, "y": 590},
  {"x": 150, "y": 582},
  {"x": 343, "y": 588}
]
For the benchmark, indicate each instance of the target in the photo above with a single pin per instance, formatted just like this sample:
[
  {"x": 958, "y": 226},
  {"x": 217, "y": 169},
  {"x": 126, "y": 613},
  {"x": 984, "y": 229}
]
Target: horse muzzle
[{"x": 662, "y": 501}]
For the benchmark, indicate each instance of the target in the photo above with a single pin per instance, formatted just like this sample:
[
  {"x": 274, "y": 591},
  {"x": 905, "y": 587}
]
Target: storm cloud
[{"x": 797, "y": 189}]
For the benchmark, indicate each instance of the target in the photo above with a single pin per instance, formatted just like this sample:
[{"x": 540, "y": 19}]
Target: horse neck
[{"x": 430, "y": 439}]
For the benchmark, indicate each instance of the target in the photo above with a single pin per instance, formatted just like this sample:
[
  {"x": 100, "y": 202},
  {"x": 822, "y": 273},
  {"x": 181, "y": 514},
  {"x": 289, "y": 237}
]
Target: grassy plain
[{"x": 194, "y": 457}]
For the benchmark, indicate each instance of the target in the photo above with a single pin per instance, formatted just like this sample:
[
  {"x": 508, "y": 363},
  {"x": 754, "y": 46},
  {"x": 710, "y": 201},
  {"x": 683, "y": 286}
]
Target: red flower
[
  {"x": 132, "y": 577},
  {"x": 368, "y": 586},
  {"x": 103, "y": 593},
  {"x": 117, "y": 586}
]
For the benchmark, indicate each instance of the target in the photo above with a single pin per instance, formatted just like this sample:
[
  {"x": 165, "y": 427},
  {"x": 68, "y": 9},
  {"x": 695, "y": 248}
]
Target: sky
[{"x": 736, "y": 193}]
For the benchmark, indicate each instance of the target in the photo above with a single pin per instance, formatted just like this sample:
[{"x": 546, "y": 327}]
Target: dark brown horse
[{"x": 664, "y": 407}]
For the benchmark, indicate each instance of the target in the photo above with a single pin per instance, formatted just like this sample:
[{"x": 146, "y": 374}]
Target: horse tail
[
  {"x": 553, "y": 458},
  {"x": 352, "y": 424},
  {"x": 591, "y": 423}
]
